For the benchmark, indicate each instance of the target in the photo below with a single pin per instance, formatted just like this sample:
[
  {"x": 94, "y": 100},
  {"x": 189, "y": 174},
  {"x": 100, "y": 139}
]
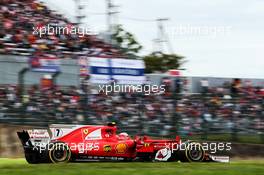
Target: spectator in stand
[
  {"x": 236, "y": 86},
  {"x": 204, "y": 86}
]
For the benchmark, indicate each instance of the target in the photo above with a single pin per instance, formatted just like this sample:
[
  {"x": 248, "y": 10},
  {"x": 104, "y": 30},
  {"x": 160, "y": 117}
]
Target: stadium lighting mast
[
  {"x": 111, "y": 13},
  {"x": 162, "y": 38},
  {"x": 79, "y": 16}
]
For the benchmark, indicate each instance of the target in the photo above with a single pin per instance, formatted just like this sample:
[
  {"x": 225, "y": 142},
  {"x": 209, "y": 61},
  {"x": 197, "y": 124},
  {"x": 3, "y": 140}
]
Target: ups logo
[{"x": 107, "y": 148}]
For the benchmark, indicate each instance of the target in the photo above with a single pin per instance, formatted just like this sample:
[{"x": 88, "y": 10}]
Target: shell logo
[{"x": 121, "y": 148}]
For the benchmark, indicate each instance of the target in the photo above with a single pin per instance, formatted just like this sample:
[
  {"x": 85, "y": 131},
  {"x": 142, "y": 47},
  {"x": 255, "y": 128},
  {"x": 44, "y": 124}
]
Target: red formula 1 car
[{"x": 64, "y": 143}]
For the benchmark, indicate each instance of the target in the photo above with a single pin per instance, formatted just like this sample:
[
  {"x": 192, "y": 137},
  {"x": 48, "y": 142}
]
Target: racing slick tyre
[
  {"x": 193, "y": 152},
  {"x": 31, "y": 158},
  {"x": 59, "y": 152}
]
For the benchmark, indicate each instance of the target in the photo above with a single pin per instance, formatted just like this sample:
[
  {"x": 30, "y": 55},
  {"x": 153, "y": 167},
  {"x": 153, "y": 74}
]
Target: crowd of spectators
[
  {"x": 20, "y": 18},
  {"x": 151, "y": 114}
]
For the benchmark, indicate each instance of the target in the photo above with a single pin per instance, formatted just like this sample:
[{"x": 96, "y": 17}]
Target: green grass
[{"x": 20, "y": 167}]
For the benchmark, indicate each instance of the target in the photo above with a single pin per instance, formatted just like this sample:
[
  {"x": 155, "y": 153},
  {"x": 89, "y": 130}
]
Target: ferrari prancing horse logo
[{"x": 85, "y": 131}]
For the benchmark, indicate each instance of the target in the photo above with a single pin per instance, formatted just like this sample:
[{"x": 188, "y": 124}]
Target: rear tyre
[
  {"x": 31, "y": 158},
  {"x": 59, "y": 153}
]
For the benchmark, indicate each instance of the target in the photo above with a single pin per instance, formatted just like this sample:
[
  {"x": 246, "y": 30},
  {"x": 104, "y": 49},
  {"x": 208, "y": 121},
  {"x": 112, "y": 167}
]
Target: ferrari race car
[{"x": 63, "y": 143}]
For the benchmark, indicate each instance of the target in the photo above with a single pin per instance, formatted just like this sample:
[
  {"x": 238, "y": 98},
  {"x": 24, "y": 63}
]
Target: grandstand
[{"x": 19, "y": 18}]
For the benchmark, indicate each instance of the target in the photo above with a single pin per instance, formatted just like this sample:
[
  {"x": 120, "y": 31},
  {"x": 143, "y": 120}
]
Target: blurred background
[{"x": 51, "y": 79}]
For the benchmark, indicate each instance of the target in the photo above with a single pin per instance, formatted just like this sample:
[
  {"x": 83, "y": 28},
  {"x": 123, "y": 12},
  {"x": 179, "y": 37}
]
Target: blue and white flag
[{"x": 123, "y": 71}]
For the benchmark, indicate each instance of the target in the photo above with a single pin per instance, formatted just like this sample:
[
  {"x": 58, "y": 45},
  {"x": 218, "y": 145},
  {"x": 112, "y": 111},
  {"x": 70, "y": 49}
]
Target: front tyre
[
  {"x": 59, "y": 152},
  {"x": 193, "y": 152}
]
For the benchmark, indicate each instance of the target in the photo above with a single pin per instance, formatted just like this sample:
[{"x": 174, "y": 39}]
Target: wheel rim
[
  {"x": 60, "y": 153},
  {"x": 195, "y": 152}
]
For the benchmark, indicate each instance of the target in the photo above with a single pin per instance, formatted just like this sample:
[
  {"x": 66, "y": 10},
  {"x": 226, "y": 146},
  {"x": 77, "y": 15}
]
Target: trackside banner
[
  {"x": 44, "y": 64},
  {"x": 124, "y": 71}
]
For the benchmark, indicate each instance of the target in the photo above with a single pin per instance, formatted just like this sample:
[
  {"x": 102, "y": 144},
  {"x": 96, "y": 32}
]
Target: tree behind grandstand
[
  {"x": 161, "y": 62},
  {"x": 126, "y": 41}
]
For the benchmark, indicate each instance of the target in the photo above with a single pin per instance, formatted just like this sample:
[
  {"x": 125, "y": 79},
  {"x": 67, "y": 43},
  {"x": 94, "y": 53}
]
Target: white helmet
[{"x": 124, "y": 134}]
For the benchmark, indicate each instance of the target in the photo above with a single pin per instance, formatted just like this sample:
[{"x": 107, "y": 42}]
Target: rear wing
[
  {"x": 34, "y": 136},
  {"x": 24, "y": 138}
]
